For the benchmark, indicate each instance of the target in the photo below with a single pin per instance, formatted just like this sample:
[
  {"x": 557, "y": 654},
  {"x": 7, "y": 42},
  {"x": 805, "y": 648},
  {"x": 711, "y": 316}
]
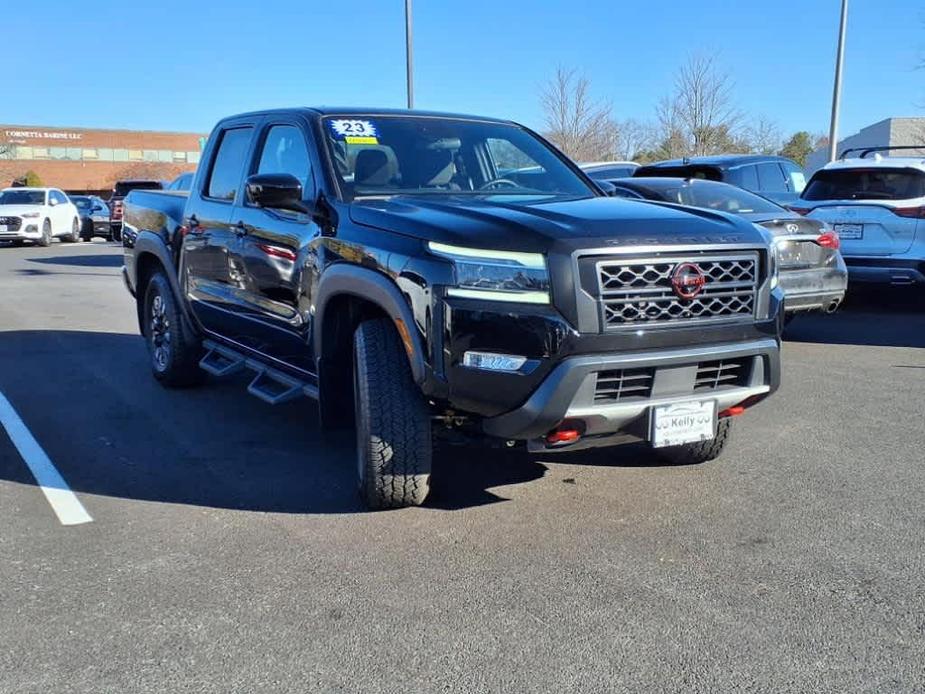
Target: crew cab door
[
  {"x": 210, "y": 272},
  {"x": 277, "y": 250}
]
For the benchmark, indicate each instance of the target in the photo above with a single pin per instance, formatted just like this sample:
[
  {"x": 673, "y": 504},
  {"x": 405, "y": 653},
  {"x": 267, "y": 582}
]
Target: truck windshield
[
  {"x": 378, "y": 155},
  {"x": 22, "y": 197}
]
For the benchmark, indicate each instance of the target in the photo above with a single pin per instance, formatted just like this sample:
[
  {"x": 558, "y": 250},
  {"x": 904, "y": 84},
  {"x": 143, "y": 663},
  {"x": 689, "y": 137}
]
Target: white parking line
[{"x": 63, "y": 501}]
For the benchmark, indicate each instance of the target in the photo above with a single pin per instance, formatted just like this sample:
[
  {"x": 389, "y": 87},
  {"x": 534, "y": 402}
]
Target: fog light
[
  {"x": 32, "y": 229},
  {"x": 491, "y": 361}
]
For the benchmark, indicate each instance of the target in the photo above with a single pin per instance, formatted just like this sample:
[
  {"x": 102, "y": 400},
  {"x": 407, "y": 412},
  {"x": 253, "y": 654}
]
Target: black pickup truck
[{"x": 425, "y": 275}]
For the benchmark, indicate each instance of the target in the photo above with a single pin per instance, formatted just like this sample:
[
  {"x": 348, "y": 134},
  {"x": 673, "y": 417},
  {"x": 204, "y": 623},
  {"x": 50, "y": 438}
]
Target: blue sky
[{"x": 181, "y": 65}]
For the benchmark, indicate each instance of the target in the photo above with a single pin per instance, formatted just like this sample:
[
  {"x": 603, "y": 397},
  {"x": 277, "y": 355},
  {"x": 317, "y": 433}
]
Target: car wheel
[
  {"x": 116, "y": 234},
  {"x": 74, "y": 236},
  {"x": 45, "y": 241},
  {"x": 174, "y": 352},
  {"x": 394, "y": 447},
  {"x": 86, "y": 231},
  {"x": 696, "y": 453}
]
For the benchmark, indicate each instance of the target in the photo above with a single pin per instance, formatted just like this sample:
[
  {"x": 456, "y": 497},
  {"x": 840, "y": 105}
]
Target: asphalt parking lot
[{"x": 228, "y": 550}]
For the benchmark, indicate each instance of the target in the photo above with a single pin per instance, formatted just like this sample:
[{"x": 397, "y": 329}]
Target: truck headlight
[{"x": 496, "y": 275}]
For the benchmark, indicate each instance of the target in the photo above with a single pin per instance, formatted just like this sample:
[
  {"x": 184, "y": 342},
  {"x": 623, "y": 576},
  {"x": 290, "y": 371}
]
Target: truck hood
[{"x": 538, "y": 224}]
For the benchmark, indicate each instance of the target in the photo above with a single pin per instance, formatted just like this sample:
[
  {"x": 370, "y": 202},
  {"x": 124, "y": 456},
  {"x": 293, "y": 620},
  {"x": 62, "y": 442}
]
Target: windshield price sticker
[{"x": 355, "y": 132}]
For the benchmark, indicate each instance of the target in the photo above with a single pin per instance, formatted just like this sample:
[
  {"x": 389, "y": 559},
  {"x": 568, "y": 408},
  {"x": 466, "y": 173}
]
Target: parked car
[
  {"x": 38, "y": 215},
  {"x": 376, "y": 260},
  {"x": 812, "y": 271},
  {"x": 876, "y": 205},
  {"x": 776, "y": 178},
  {"x": 94, "y": 216},
  {"x": 119, "y": 191},
  {"x": 609, "y": 170},
  {"x": 181, "y": 182}
]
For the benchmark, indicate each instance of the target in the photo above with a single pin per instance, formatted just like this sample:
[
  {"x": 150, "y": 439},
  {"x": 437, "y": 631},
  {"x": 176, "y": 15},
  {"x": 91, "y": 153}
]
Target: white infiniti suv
[{"x": 38, "y": 215}]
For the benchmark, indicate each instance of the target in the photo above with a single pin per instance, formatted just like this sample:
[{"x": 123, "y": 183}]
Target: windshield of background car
[
  {"x": 611, "y": 172},
  {"x": 22, "y": 197},
  {"x": 717, "y": 196},
  {"x": 866, "y": 184},
  {"x": 418, "y": 155},
  {"x": 81, "y": 203},
  {"x": 123, "y": 189}
]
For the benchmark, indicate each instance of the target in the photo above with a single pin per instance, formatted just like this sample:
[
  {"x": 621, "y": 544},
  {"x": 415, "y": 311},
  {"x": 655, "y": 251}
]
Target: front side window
[
  {"x": 416, "y": 155},
  {"x": 285, "y": 151},
  {"x": 866, "y": 184},
  {"x": 744, "y": 177},
  {"x": 228, "y": 166}
]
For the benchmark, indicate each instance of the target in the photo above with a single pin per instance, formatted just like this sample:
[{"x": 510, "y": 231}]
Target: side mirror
[
  {"x": 52, "y": 202},
  {"x": 276, "y": 191},
  {"x": 606, "y": 186}
]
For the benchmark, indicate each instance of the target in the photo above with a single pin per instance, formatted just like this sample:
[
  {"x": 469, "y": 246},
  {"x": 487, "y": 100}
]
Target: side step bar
[{"x": 269, "y": 384}]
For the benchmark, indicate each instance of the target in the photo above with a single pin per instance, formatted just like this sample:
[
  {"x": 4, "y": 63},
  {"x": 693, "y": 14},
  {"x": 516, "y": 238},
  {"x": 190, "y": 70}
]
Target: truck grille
[
  {"x": 712, "y": 375},
  {"x": 11, "y": 223},
  {"x": 639, "y": 291},
  {"x": 621, "y": 384}
]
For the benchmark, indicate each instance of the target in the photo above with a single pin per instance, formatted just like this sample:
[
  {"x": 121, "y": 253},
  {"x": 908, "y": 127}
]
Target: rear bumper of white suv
[{"x": 897, "y": 270}]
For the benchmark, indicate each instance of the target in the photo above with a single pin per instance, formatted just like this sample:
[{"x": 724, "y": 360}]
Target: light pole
[
  {"x": 409, "y": 57},
  {"x": 836, "y": 92}
]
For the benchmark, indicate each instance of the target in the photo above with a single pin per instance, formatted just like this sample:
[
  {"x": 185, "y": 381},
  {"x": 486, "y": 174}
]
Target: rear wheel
[
  {"x": 696, "y": 453},
  {"x": 45, "y": 241},
  {"x": 174, "y": 352},
  {"x": 394, "y": 447}
]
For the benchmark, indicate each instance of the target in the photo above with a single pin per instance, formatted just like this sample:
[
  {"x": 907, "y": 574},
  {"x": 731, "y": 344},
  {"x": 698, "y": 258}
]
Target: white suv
[
  {"x": 37, "y": 214},
  {"x": 876, "y": 205}
]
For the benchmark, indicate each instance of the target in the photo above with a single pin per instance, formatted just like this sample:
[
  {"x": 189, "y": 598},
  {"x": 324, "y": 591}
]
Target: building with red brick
[{"x": 85, "y": 160}]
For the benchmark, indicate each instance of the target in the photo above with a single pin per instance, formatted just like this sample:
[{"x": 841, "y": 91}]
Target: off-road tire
[
  {"x": 696, "y": 453},
  {"x": 394, "y": 447},
  {"x": 173, "y": 351},
  {"x": 74, "y": 236},
  {"x": 45, "y": 241}
]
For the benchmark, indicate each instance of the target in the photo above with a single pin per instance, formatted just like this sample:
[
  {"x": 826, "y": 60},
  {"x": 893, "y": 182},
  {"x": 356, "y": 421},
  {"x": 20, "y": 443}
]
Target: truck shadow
[
  {"x": 111, "y": 430},
  {"x": 886, "y": 317},
  {"x": 97, "y": 260}
]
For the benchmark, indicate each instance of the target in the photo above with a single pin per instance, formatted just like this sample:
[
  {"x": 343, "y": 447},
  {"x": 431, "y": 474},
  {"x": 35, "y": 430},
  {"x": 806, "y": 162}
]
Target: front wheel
[
  {"x": 701, "y": 452},
  {"x": 394, "y": 447},
  {"x": 45, "y": 241},
  {"x": 174, "y": 352},
  {"x": 74, "y": 236}
]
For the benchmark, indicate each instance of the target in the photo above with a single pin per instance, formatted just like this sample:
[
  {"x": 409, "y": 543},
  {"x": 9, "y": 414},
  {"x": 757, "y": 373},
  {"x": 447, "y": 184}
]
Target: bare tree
[
  {"x": 763, "y": 136},
  {"x": 578, "y": 124},
  {"x": 633, "y": 138},
  {"x": 699, "y": 117}
]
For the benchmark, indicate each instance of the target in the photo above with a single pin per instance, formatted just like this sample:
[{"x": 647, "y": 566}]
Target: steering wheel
[{"x": 498, "y": 182}]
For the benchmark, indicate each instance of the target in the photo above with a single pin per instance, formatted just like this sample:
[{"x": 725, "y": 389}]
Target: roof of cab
[{"x": 367, "y": 112}]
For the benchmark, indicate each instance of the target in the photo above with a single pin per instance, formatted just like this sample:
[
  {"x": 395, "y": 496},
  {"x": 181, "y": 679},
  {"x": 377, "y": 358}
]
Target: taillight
[
  {"x": 828, "y": 239},
  {"x": 913, "y": 212},
  {"x": 800, "y": 210}
]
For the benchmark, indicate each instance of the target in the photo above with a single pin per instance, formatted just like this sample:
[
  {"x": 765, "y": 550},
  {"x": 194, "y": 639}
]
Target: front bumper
[
  {"x": 568, "y": 392},
  {"x": 27, "y": 232}
]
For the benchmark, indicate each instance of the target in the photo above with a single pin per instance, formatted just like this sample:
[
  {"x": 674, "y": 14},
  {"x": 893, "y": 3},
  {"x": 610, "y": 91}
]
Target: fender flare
[
  {"x": 147, "y": 242},
  {"x": 363, "y": 283}
]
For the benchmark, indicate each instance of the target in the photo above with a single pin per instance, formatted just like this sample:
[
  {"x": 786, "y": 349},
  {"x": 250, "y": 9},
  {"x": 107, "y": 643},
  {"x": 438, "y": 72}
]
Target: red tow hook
[
  {"x": 564, "y": 434},
  {"x": 732, "y": 411}
]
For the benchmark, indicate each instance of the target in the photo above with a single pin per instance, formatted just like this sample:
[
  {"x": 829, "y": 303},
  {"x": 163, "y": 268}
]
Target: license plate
[
  {"x": 849, "y": 231},
  {"x": 682, "y": 422},
  {"x": 3, "y": 227}
]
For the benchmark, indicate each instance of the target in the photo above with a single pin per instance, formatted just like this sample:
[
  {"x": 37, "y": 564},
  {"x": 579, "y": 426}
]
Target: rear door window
[
  {"x": 228, "y": 165},
  {"x": 771, "y": 178},
  {"x": 866, "y": 184}
]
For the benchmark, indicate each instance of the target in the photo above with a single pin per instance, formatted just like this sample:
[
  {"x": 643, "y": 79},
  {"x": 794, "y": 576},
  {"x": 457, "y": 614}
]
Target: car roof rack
[{"x": 868, "y": 150}]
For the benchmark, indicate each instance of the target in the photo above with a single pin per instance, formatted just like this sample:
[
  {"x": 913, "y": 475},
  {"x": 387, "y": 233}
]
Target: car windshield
[
  {"x": 81, "y": 202},
  {"x": 866, "y": 184},
  {"x": 22, "y": 197},
  {"x": 715, "y": 196},
  {"x": 378, "y": 155},
  {"x": 611, "y": 172}
]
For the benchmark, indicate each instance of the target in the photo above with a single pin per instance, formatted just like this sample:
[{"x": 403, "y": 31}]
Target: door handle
[{"x": 240, "y": 229}]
